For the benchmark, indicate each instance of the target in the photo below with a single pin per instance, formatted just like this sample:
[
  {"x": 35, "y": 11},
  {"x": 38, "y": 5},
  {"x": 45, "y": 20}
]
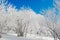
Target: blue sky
[{"x": 35, "y": 5}]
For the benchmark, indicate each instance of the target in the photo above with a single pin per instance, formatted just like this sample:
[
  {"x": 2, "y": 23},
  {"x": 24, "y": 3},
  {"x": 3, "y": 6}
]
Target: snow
[
  {"x": 39, "y": 37},
  {"x": 29, "y": 37}
]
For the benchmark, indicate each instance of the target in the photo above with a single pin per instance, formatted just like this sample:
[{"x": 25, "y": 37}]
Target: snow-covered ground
[
  {"x": 10, "y": 36},
  {"x": 39, "y": 37}
]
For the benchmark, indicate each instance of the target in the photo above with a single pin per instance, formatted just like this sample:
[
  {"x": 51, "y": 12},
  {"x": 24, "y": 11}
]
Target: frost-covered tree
[
  {"x": 57, "y": 8},
  {"x": 2, "y": 16},
  {"x": 23, "y": 22},
  {"x": 51, "y": 19}
]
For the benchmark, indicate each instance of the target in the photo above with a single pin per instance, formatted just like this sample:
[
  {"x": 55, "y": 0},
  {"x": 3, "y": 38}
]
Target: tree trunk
[
  {"x": 0, "y": 35},
  {"x": 20, "y": 34},
  {"x": 55, "y": 39}
]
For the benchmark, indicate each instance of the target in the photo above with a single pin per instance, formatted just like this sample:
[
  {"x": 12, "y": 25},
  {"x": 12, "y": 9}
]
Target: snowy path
[{"x": 11, "y": 37}]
